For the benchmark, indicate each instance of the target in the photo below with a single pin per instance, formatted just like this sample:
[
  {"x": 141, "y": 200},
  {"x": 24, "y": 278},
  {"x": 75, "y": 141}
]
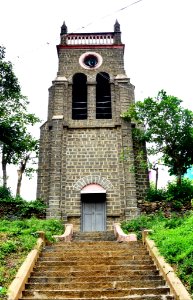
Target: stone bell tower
[{"x": 81, "y": 176}]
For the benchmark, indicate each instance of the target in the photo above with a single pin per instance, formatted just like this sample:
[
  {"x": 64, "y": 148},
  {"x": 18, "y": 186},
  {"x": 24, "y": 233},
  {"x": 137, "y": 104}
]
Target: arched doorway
[{"x": 93, "y": 199}]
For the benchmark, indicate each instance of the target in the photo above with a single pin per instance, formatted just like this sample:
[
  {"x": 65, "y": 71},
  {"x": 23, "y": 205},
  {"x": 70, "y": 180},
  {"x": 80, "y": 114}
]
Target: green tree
[
  {"x": 168, "y": 128},
  {"x": 29, "y": 149},
  {"x": 14, "y": 118},
  {"x": 18, "y": 140},
  {"x": 11, "y": 99}
]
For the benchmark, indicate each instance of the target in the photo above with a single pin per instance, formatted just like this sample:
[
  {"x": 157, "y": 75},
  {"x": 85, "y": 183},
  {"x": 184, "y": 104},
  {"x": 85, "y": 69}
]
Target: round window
[{"x": 90, "y": 60}]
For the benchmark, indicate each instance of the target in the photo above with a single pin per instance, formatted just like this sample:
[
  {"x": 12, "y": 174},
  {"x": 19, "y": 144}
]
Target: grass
[
  {"x": 17, "y": 238},
  {"x": 174, "y": 238}
]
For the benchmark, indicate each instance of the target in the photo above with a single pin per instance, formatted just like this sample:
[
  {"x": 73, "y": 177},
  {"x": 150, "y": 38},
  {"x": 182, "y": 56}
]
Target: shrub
[
  {"x": 180, "y": 195},
  {"x": 174, "y": 222},
  {"x": 141, "y": 223},
  {"x": 5, "y": 193},
  {"x": 153, "y": 194},
  {"x": 8, "y": 247},
  {"x": 13, "y": 208},
  {"x": 186, "y": 270},
  {"x": 174, "y": 194},
  {"x": 32, "y": 208}
]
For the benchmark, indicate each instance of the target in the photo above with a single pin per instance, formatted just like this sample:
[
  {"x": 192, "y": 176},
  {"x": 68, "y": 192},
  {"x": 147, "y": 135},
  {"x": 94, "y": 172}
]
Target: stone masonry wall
[
  {"x": 69, "y": 62},
  {"x": 97, "y": 155},
  {"x": 44, "y": 165},
  {"x": 141, "y": 170},
  {"x": 74, "y": 148}
]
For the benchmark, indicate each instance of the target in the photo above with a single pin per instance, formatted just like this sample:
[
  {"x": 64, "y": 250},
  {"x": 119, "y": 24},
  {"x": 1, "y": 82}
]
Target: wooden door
[{"x": 93, "y": 216}]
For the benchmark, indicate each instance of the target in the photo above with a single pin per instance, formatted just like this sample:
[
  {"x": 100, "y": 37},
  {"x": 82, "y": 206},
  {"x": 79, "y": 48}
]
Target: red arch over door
[{"x": 93, "y": 188}]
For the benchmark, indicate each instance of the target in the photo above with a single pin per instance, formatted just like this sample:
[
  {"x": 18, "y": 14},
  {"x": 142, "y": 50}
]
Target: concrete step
[
  {"x": 95, "y": 279},
  {"x": 98, "y": 268},
  {"x": 94, "y": 236},
  {"x": 135, "y": 297},
  {"x": 59, "y": 273},
  {"x": 94, "y": 261},
  {"x": 73, "y": 253},
  {"x": 84, "y": 251},
  {"x": 96, "y": 292},
  {"x": 91, "y": 245},
  {"x": 99, "y": 244},
  {"x": 93, "y": 285}
]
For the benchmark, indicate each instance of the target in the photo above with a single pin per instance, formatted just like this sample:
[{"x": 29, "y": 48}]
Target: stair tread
[
  {"x": 97, "y": 292},
  {"x": 136, "y": 297},
  {"x": 133, "y": 290},
  {"x": 134, "y": 277}
]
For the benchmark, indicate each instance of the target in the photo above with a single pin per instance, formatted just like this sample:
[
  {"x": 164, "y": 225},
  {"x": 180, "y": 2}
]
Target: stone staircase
[{"x": 94, "y": 266}]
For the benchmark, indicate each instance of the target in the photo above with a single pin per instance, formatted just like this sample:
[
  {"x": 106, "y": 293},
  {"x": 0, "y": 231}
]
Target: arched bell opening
[
  {"x": 93, "y": 200},
  {"x": 103, "y": 96},
  {"x": 79, "y": 97}
]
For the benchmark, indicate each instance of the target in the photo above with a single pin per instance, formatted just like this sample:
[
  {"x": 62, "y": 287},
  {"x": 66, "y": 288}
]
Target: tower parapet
[{"x": 97, "y": 38}]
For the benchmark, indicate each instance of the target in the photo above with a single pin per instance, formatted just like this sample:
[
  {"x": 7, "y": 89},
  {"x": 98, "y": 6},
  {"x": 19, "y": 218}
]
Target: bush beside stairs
[{"x": 94, "y": 266}]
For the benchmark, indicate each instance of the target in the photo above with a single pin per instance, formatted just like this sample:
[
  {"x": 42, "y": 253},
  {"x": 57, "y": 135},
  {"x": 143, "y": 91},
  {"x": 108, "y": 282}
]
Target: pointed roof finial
[
  {"x": 64, "y": 29},
  {"x": 117, "y": 27}
]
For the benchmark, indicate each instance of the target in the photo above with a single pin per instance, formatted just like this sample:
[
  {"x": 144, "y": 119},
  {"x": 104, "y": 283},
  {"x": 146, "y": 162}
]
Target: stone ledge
[
  {"x": 67, "y": 235},
  {"x": 121, "y": 236},
  {"x": 18, "y": 284}
]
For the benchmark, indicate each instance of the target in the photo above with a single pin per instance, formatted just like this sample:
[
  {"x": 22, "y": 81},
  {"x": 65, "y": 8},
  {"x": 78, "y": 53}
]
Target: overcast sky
[{"x": 157, "y": 35}]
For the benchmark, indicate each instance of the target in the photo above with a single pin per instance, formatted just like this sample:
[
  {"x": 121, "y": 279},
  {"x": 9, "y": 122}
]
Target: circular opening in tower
[{"x": 90, "y": 60}]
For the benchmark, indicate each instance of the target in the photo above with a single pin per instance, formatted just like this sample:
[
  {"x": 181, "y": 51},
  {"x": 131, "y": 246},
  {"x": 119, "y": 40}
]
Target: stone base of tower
[
  {"x": 77, "y": 226},
  {"x": 76, "y": 220},
  {"x": 55, "y": 213},
  {"x": 132, "y": 213}
]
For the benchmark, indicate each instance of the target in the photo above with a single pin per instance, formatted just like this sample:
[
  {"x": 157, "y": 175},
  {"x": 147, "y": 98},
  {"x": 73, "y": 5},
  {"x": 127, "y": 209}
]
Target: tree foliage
[
  {"x": 16, "y": 142},
  {"x": 12, "y": 102},
  {"x": 167, "y": 127},
  {"x": 28, "y": 153}
]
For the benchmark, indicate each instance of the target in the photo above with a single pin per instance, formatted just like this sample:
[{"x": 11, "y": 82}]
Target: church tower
[{"x": 81, "y": 175}]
